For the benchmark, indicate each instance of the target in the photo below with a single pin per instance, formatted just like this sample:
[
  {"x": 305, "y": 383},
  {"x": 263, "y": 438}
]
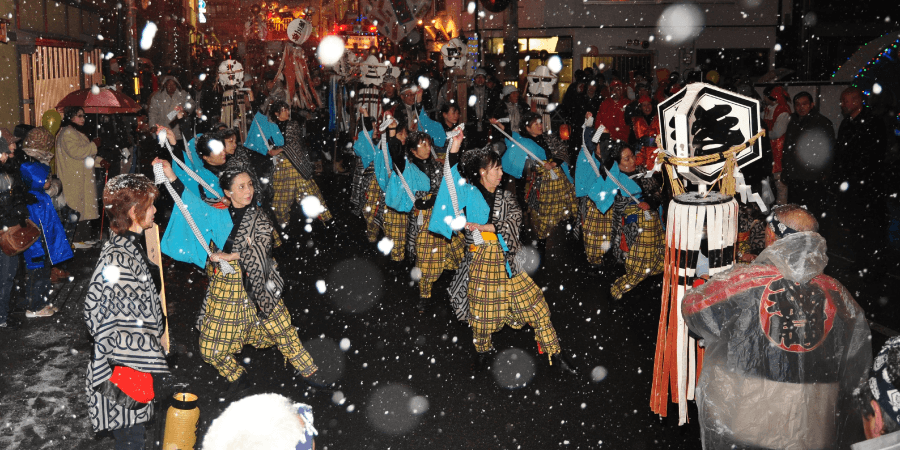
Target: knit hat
[
  {"x": 9, "y": 136},
  {"x": 644, "y": 99},
  {"x": 508, "y": 89},
  {"x": 389, "y": 79},
  {"x": 38, "y": 143},
  {"x": 409, "y": 87},
  {"x": 481, "y": 72}
]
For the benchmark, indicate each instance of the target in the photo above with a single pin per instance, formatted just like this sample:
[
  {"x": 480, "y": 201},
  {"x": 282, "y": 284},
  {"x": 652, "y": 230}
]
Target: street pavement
[{"x": 405, "y": 376}]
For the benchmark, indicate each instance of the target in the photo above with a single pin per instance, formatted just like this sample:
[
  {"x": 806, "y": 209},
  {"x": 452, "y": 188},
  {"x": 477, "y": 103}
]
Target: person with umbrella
[{"x": 76, "y": 157}]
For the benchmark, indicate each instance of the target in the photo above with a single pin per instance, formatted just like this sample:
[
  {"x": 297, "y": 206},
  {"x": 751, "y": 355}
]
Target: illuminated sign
[{"x": 201, "y": 11}]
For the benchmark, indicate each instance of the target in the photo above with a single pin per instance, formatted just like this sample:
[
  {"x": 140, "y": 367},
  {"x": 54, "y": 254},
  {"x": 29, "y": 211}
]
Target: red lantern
[{"x": 564, "y": 132}]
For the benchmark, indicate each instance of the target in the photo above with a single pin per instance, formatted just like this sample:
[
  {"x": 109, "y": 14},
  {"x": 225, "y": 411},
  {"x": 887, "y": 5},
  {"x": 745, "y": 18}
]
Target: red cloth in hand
[{"x": 135, "y": 384}]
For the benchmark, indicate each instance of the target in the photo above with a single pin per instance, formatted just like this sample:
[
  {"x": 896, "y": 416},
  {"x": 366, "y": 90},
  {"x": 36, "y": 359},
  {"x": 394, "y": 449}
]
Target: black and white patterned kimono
[
  {"x": 124, "y": 315},
  {"x": 507, "y": 219}
]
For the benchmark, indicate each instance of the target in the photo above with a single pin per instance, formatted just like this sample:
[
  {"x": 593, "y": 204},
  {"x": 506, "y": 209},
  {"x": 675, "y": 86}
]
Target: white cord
[{"x": 161, "y": 179}]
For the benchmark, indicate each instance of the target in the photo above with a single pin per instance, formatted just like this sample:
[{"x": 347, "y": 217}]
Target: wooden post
[
  {"x": 154, "y": 253},
  {"x": 462, "y": 96}
]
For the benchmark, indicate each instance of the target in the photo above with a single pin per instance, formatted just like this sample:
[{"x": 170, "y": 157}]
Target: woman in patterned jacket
[
  {"x": 626, "y": 225},
  {"x": 245, "y": 307},
  {"x": 124, "y": 316},
  {"x": 491, "y": 288},
  {"x": 293, "y": 179},
  {"x": 550, "y": 194}
]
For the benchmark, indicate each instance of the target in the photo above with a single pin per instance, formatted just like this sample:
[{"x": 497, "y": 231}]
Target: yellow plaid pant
[
  {"x": 374, "y": 200},
  {"x": 231, "y": 322},
  {"x": 495, "y": 300},
  {"x": 556, "y": 202},
  {"x": 646, "y": 255},
  {"x": 395, "y": 224},
  {"x": 596, "y": 231},
  {"x": 290, "y": 187}
]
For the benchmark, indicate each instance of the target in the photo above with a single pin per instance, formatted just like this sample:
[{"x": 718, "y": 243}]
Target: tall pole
[
  {"x": 131, "y": 36},
  {"x": 511, "y": 43}
]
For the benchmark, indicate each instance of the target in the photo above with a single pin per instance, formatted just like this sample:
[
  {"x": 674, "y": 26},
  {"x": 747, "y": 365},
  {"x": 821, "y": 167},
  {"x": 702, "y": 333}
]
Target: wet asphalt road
[{"x": 406, "y": 378}]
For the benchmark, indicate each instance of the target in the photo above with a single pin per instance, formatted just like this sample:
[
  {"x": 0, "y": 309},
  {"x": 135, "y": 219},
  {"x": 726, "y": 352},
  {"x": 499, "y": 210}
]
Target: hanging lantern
[
  {"x": 181, "y": 422},
  {"x": 564, "y": 132}
]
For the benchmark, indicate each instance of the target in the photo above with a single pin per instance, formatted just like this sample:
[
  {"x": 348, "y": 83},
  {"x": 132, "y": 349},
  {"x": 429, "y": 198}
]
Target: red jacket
[{"x": 612, "y": 115}]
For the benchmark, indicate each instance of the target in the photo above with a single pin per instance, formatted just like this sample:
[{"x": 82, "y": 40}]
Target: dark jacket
[
  {"x": 808, "y": 142},
  {"x": 13, "y": 196}
]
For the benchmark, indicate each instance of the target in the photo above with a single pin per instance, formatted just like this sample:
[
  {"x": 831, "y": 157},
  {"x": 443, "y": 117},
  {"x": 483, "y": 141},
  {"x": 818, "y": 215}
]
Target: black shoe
[
  {"x": 563, "y": 364},
  {"x": 10, "y": 324},
  {"x": 316, "y": 381},
  {"x": 238, "y": 385},
  {"x": 482, "y": 361}
]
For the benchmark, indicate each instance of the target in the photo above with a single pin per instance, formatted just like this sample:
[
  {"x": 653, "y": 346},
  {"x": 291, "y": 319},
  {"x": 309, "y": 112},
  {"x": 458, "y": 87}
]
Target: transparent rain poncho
[{"x": 785, "y": 347}]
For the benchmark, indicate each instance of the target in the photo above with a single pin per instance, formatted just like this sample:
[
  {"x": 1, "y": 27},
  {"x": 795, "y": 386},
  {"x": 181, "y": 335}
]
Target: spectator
[
  {"x": 859, "y": 155},
  {"x": 645, "y": 124},
  {"x": 478, "y": 114},
  {"x": 808, "y": 142},
  {"x": 879, "y": 402},
  {"x": 510, "y": 108},
  {"x": 75, "y": 162},
  {"x": 592, "y": 98},
  {"x": 38, "y": 146},
  {"x": 662, "y": 82},
  {"x": 12, "y": 212},
  {"x": 785, "y": 345},
  {"x": 124, "y": 316},
  {"x": 611, "y": 114},
  {"x": 777, "y": 115},
  {"x": 165, "y": 104},
  {"x": 52, "y": 248},
  {"x": 268, "y": 421}
]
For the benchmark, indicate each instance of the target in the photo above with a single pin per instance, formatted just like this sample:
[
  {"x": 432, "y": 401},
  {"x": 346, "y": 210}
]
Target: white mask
[{"x": 541, "y": 81}]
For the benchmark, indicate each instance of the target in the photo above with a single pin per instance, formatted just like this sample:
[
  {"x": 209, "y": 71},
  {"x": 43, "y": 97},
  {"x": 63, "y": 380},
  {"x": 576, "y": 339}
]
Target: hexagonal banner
[{"x": 703, "y": 119}]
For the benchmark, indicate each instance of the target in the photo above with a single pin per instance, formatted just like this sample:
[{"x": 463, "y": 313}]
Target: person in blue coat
[{"x": 52, "y": 248}]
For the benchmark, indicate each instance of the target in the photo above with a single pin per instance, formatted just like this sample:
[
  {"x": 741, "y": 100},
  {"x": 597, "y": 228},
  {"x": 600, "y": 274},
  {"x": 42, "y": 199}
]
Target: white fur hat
[{"x": 269, "y": 421}]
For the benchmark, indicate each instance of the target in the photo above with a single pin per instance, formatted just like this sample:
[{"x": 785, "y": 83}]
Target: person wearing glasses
[
  {"x": 786, "y": 345},
  {"x": 76, "y": 157}
]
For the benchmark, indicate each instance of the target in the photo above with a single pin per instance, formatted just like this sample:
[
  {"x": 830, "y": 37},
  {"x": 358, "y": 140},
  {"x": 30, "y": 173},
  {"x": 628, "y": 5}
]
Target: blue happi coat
[
  {"x": 434, "y": 129},
  {"x": 515, "y": 158},
  {"x": 270, "y": 133},
  {"x": 214, "y": 223},
  {"x": 396, "y": 196},
  {"x": 603, "y": 191},
  {"x": 364, "y": 149},
  {"x": 585, "y": 177},
  {"x": 42, "y": 213},
  {"x": 471, "y": 204}
]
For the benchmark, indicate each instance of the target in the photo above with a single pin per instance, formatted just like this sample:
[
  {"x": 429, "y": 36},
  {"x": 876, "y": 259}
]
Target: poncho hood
[{"x": 799, "y": 257}]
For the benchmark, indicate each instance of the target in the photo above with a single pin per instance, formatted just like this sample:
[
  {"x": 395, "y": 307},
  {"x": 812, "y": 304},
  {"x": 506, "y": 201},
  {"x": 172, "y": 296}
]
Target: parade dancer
[
  {"x": 293, "y": 179},
  {"x": 624, "y": 219},
  {"x": 550, "y": 194},
  {"x": 244, "y": 305},
  {"x": 387, "y": 152},
  {"x": 366, "y": 194},
  {"x": 490, "y": 289},
  {"x": 421, "y": 173}
]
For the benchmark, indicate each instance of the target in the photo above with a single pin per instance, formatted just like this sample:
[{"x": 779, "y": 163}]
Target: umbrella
[{"x": 107, "y": 101}]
